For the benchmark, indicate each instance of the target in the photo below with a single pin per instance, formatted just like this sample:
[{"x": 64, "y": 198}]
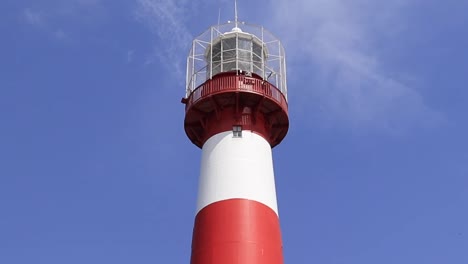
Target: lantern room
[{"x": 241, "y": 48}]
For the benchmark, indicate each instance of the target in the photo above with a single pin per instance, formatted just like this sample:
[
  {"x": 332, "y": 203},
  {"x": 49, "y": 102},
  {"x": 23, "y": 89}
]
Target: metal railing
[{"x": 237, "y": 83}]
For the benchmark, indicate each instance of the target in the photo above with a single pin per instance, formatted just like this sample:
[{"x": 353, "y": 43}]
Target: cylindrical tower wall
[
  {"x": 237, "y": 215},
  {"x": 236, "y": 167}
]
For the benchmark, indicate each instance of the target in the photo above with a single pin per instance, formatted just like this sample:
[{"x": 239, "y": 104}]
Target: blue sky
[{"x": 95, "y": 166}]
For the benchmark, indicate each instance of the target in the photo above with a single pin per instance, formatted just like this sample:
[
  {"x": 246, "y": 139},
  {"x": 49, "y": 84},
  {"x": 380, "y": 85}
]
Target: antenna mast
[{"x": 235, "y": 13}]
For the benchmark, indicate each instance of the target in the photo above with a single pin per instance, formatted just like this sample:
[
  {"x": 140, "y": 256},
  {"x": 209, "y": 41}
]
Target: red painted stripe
[{"x": 237, "y": 231}]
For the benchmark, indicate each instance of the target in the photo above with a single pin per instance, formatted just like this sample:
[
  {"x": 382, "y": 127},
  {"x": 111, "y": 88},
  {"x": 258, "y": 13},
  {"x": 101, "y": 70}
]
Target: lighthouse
[{"x": 236, "y": 111}]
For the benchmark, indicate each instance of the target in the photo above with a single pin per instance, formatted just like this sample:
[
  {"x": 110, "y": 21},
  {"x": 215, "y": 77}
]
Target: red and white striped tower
[{"x": 236, "y": 112}]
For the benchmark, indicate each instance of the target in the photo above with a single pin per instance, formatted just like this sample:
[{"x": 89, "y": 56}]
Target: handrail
[{"x": 237, "y": 83}]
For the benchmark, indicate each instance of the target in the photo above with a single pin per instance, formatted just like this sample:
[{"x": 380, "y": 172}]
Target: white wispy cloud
[
  {"x": 52, "y": 17},
  {"x": 33, "y": 17},
  {"x": 329, "y": 43},
  {"x": 167, "y": 20},
  {"x": 334, "y": 66}
]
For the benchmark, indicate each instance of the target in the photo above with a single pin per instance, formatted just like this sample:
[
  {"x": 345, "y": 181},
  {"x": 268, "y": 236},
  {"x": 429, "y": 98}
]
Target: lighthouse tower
[{"x": 236, "y": 111}]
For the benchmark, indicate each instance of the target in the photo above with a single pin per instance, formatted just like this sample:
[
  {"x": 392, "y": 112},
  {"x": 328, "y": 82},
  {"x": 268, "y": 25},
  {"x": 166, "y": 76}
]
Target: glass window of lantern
[
  {"x": 229, "y": 43},
  {"x": 245, "y": 44}
]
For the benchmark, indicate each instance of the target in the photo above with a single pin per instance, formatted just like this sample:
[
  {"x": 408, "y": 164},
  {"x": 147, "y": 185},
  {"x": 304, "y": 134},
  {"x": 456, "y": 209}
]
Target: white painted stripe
[{"x": 236, "y": 168}]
